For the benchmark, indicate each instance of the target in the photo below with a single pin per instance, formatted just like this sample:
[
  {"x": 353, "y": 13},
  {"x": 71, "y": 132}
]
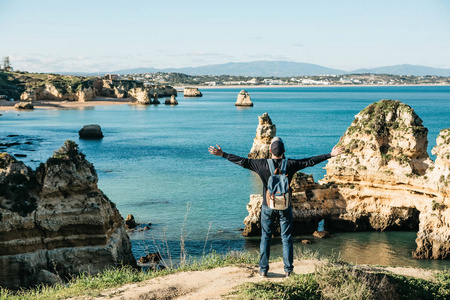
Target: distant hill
[
  {"x": 277, "y": 69},
  {"x": 406, "y": 70},
  {"x": 255, "y": 68}
]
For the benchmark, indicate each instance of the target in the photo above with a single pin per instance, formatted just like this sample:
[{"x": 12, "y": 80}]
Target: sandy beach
[{"x": 62, "y": 105}]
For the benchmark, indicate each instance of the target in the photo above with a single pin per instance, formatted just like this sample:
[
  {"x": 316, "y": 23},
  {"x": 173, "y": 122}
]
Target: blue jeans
[{"x": 268, "y": 217}]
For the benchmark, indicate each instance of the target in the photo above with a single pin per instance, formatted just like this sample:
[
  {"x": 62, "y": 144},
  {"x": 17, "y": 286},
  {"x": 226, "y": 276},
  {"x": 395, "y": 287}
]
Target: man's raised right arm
[{"x": 246, "y": 163}]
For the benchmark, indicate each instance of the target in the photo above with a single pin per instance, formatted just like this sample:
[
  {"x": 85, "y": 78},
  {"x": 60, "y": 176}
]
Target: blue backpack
[{"x": 278, "y": 196}]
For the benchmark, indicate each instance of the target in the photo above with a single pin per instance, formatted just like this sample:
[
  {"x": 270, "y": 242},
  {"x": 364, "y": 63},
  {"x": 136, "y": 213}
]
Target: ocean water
[{"x": 153, "y": 161}]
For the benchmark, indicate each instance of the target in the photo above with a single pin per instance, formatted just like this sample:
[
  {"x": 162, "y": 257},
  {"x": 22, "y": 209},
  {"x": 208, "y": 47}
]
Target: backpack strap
[
  {"x": 284, "y": 166},
  {"x": 271, "y": 166}
]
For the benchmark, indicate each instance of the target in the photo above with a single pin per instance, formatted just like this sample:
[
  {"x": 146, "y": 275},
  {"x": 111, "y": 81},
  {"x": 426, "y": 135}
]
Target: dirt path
[{"x": 216, "y": 283}]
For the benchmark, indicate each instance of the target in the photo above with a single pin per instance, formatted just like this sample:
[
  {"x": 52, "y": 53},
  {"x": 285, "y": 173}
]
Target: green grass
[
  {"x": 302, "y": 286},
  {"x": 335, "y": 281}
]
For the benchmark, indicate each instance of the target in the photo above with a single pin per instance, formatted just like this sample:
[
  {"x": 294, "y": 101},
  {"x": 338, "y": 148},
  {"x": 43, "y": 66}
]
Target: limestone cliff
[
  {"x": 264, "y": 134},
  {"x": 384, "y": 181},
  {"x": 35, "y": 86},
  {"x": 243, "y": 99},
  {"x": 56, "y": 222},
  {"x": 140, "y": 95},
  {"x": 192, "y": 92}
]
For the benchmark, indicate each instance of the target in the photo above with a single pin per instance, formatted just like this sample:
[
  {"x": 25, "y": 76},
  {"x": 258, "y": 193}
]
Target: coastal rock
[
  {"x": 28, "y": 95},
  {"x": 81, "y": 93},
  {"x": 150, "y": 258},
  {"x": 243, "y": 99},
  {"x": 91, "y": 132},
  {"x": 27, "y": 86},
  {"x": 84, "y": 94},
  {"x": 24, "y": 105},
  {"x": 140, "y": 95},
  {"x": 130, "y": 223},
  {"x": 155, "y": 99},
  {"x": 192, "y": 92},
  {"x": 264, "y": 134},
  {"x": 171, "y": 101},
  {"x": 55, "y": 222},
  {"x": 384, "y": 181},
  {"x": 321, "y": 234}
]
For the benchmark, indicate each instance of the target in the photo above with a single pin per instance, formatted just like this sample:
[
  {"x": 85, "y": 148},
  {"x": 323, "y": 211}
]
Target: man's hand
[
  {"x": 215, "y": 151},
  {"x": 337, "y": 150}
]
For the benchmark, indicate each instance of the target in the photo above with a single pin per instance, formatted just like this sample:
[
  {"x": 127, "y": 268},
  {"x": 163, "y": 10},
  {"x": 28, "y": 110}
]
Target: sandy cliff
[
  {"x": 55, "y": 221},
  {"x": 384, "y": 181}
]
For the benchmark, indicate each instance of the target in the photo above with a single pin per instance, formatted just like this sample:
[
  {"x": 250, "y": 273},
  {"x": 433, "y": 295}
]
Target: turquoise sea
[{"x": 153, "y": 162}]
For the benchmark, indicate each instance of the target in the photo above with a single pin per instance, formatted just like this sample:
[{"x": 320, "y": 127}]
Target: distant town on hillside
[{"x": 179, "y": 79}]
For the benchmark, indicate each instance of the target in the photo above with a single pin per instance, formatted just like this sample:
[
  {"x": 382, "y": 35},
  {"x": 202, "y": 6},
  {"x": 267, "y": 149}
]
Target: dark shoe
[
  {"x": 262, "y": 273},
  {"x": 287, "y": 274}
]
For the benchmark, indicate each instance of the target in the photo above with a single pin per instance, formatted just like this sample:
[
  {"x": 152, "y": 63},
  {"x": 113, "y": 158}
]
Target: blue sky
[{"x": 79, "y": 35}]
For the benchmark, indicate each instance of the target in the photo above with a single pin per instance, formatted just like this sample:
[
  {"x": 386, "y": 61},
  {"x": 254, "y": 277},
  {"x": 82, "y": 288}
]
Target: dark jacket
[{"x": 261, "y": 167}]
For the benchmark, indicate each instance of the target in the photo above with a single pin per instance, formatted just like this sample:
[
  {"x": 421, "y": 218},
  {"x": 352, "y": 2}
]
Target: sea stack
[
  {"x": 155, "y": 99},
  {"x": 171, "y": 101},
  {"x": 91, "y": 132},
  {"x": 192, "y": 92},
  {"x": 243, "y": 99},
  {"x": 265, "y": 131},
  {"x": 56, "y": 222}
]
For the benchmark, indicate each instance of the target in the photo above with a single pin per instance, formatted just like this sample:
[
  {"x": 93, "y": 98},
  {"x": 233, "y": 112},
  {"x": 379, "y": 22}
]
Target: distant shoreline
[{"x": 200, "y": 87}]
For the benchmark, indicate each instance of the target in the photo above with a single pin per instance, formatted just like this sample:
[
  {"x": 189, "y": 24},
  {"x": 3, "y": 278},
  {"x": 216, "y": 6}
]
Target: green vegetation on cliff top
[{"x": 13, "y": 84}]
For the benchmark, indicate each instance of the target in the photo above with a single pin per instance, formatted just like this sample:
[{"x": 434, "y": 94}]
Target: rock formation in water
[
  {"x": 55, "y": 222},
  {"x": 171, "y": 101},
  {"x": 192, "y": 92},
  {"x": 243, "y": 99},
  {"x": 24, "y": 105},
  {"x": 264, "y": 135},
  {"x": 384, "y": 181},
  {"x": 91, "y": 132},
  {"x": 155, "y": 99}
]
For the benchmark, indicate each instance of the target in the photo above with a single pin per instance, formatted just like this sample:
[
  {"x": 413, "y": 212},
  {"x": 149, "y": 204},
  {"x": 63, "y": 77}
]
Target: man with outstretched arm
[{"x": 268, "y": 215}]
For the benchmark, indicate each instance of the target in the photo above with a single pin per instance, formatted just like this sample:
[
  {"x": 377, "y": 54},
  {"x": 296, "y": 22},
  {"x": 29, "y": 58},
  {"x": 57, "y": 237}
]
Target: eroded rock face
[
  {"x": 140, "y": 95},
  {"x": 55, "y": 222},
  {"x": 28, "y": 95},
  {"x": 384, "y": 181},
  {"x": 88, "y": 89},
  {"x": 24, "y": 105},
  {"x": 265, "y": 132},
  {"x": 192, "y": 92},
  {"x": 243, "y": 99},
  {"x": 48, "y": 91},
  {"x": 171, "y": 101}
]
